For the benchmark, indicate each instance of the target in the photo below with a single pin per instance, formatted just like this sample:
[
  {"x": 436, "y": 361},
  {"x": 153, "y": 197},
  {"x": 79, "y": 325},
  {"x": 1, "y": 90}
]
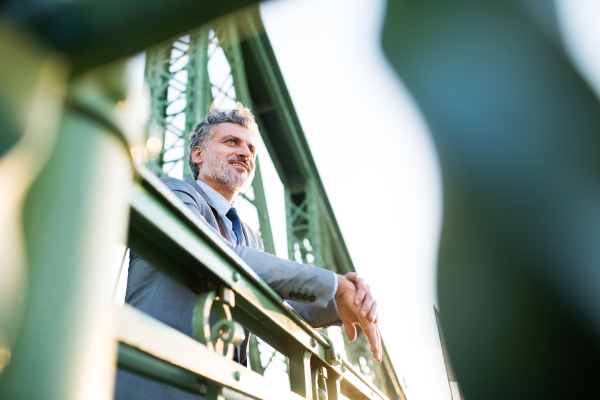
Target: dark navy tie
[{"x": 237, "y": 225}]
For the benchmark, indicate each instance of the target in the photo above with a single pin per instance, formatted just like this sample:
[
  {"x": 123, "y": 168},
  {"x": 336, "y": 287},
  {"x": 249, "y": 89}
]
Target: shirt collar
[{"x": 220, "y": 202}]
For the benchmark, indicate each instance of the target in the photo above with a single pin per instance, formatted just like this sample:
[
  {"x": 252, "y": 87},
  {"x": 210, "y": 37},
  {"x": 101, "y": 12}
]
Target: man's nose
[{"x": 244, "y": 151}]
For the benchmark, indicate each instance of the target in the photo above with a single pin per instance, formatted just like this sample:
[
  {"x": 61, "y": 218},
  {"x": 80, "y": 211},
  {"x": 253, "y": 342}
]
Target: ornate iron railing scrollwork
[
  {"x": 319, "y": 376},
  {"x": 226, "y": 334}
]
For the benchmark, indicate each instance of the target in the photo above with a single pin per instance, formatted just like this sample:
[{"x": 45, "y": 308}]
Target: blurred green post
[{"x": 75, "y": 211}]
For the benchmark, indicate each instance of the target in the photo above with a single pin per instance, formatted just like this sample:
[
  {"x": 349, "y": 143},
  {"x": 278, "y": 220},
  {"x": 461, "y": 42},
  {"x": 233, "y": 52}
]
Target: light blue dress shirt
[{"x": 222, "y": 206}]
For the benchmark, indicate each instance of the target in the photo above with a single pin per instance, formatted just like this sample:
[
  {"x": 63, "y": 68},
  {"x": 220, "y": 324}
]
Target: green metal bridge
[{"x": 77, "y": 192}]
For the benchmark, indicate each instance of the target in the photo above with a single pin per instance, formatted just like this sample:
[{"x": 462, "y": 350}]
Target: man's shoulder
[{"x": 176, "y": 184}]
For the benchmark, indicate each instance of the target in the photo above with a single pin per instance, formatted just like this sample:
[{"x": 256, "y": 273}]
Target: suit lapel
[
  {"x": 198, "y": 189},
  {"x": 219, "y": 219}
]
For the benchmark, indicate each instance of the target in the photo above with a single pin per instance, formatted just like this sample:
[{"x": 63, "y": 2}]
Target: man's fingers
[
  {"x": 368, "y": 301},
  {"x": 374, "y": 339},
  {"x": 352, "y": 276},
  {"x": 361, "y": 290},
  {"x": 350, "y": 331},
  {"x": 373, "y": 312}
]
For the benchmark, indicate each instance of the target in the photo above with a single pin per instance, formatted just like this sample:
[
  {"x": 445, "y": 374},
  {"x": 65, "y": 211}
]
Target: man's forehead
[{"x": 232, "y": 129}]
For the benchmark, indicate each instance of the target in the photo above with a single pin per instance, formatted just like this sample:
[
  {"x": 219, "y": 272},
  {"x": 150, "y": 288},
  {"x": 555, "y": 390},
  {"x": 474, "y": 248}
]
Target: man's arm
[
  {"x": 304, "y": 283},
  {"x": 355, "y": 301},
  {"x": 291, "y": 280},
  {"x": 316, "y": 316}
]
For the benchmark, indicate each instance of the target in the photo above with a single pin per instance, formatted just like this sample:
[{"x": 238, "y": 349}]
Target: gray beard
[{"x": 217, "y": 170}]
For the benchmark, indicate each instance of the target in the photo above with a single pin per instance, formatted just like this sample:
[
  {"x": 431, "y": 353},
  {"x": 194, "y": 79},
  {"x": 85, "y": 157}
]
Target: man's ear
[{"x": 198, "y": 154}]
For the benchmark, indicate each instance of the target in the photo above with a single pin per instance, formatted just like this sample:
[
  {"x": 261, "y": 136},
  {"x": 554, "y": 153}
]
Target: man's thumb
[
  {"x": 350, "y": 331},
  {"x": 352, "y": 276}
]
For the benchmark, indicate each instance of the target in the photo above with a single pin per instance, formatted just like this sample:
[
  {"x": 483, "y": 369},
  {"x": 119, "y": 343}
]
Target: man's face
[{"x": 229, "y": 157}]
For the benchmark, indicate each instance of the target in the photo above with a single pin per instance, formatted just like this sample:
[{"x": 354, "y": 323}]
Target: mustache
[{"x": 242, "y": 160}]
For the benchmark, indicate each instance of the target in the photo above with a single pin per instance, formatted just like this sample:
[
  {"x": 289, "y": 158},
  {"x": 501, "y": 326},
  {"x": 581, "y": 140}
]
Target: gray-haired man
[{"x": 222, "y": 160}]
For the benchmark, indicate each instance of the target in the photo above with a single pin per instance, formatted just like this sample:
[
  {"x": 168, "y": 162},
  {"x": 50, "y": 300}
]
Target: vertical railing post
[
  {"x": 73, "y": 215},
  {"x": 300, "y": 373},
  {"x": 215, "y": 392},
  {"x": 254, "y": 355},
  {"x": 33, "y": 82},
  {"x": 334, "y": 390}
]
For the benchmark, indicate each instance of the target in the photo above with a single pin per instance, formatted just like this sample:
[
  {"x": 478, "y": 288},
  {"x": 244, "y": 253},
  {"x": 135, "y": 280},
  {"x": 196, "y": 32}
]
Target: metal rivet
[
  {"x": 344, "y": 368},
  {"x": 338, "y": 356},
  {"x": 313, "y": 342},
  {"x": 236, "y": 276},
  {"x": 237, "y": 376}
]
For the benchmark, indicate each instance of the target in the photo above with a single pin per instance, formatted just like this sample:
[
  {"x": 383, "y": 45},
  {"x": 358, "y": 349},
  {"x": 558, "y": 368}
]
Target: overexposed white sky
[{"x": 377, "y": 161}]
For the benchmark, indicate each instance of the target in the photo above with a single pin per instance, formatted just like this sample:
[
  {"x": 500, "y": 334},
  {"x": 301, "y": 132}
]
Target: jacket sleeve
[
  {"x": 291, "y": 280},
  {"x": 317, "y": 317}
]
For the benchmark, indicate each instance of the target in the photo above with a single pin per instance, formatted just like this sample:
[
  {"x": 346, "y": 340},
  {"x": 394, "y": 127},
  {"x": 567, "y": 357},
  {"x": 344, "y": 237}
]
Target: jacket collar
[{"x": 192, "y": 182}]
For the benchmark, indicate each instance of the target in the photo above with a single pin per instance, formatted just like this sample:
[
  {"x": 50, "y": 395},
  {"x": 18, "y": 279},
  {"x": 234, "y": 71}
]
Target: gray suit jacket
[{"x": 154, "y": 293}]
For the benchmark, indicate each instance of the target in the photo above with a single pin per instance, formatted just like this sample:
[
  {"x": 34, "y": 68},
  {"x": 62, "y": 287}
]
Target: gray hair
[{"x": 203, "y": 133}]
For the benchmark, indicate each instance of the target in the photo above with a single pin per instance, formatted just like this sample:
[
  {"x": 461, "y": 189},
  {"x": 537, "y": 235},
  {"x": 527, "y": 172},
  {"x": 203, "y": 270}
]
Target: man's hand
[
  {"x": 365, "y": 296},
  {"x": 356, "y": 305}
]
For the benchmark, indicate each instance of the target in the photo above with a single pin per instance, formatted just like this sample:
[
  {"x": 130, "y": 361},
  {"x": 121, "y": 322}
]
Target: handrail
[
  {"x": 151, "y": 348},
  {"x": 165, "y": 233}
]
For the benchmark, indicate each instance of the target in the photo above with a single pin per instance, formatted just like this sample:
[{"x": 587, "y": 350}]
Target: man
[{"x": 222, "y": 159}]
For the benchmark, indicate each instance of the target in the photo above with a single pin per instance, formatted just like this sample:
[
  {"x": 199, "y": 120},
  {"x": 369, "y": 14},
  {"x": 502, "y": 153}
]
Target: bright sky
[{"x": 377, "y": 161}]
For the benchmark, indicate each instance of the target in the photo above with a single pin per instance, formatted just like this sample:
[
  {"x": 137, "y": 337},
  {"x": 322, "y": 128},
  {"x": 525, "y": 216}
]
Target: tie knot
[{"x": 232, "y": 214}]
